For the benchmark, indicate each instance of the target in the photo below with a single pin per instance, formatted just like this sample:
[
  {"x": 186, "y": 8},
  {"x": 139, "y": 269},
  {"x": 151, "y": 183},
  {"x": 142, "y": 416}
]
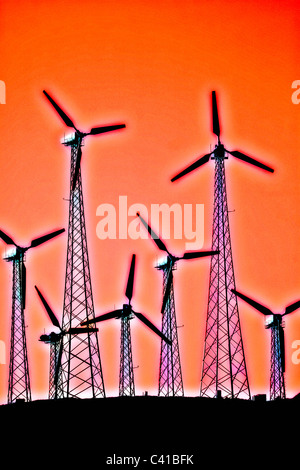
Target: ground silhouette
[{"x": 148, "y": 424}]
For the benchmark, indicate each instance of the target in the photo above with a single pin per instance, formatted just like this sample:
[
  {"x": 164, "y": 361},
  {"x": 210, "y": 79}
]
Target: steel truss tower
[
  {"x": 224, "y": 366},
  {"x": 126, "y": 376},
  {"x": 170, "y": 374},
  {"x": 54, "y": 340},
  {"x": 277, "y": 382},
  {"x": 18, "y": 382},
  {"x": 81, "y": 370}
]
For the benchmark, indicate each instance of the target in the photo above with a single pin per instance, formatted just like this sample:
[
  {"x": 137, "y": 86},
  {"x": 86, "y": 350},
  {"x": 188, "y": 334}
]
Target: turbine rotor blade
[
  {"x": 104, "y": 129},
  {"x": 292, "y": 307},
  {"x": 167, "y": 291},
  {"x": 80, "y": 331},
  {"x": 129, "y": 288},
  {"x": 215, "y": 115},
  {"x": 62, "y": 114},
  {"x": 150, "y": 325},
  {"x": 201, "y": 161},
  {"x": 77, "y": 167},
  {"x": 252, "y": 161},
  {"x": 38, "y": 241},
  {"x": 153, "y": 235},
  {"x": 8, "y": 240},
  {"x": 198, "y": 254},
  {"x": 261, "y": 308},
  {"x": 105, "y": 316},
  {"x": 50, "y": 312}
]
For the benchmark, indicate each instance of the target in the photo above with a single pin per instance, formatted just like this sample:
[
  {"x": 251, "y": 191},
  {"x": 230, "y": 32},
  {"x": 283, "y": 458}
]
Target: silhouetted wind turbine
[
  {"x": 126, "y": 377},
  {"x": 56, "y": 353},
  {"x": 277, "y": 383},
  {"x": 81, "y": 364},
  {"x": 224, "y": 366},
  {"x": 170, "y": 377},
  {"x": 19, "y": 381}
]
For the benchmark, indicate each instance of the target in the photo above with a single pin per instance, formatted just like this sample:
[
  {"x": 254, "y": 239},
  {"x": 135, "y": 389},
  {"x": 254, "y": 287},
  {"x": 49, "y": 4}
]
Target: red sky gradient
[{"x": 152, "y": 64}]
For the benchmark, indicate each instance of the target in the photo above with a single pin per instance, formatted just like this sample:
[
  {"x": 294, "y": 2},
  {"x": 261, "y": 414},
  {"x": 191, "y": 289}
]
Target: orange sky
[{"x": 152, "y": 64}]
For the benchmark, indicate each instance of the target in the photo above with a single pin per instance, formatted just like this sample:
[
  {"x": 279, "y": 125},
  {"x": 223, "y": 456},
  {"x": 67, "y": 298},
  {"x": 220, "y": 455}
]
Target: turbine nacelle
[
  {"x": 11, "y": 254},
  {"x": 51, "y": 338},
  {"x": 127, "y": 311}
]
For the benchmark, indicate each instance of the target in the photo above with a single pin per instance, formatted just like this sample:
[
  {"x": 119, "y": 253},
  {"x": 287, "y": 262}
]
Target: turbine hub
[
  {"x": 219, "y": 152},
  {"x": 126, "y": 310}
]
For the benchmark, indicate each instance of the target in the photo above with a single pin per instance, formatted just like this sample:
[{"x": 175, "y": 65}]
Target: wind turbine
[
  {"x": 274, "y": 323},
  {"x": 224, "y": 366},
  {"x": 56, "y": 347},
  {"x": 82, "y": 350},
  {"x": 19, "y": 381},
  {"x": 170, "y": 376},
  {"x": 126, "y": 377}
]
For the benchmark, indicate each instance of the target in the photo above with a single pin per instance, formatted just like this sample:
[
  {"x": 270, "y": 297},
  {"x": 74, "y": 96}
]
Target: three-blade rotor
[
  {"x": 20, "y": 252},
  {"x": 219, "y": 149},
  {"x": 127, "y": 309},
  {"x": 94, "y": 131},
  {"x": 172, "y": 259},
  {"x": 266, "y": 311},
  {"x": 35, "y": 242}
]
